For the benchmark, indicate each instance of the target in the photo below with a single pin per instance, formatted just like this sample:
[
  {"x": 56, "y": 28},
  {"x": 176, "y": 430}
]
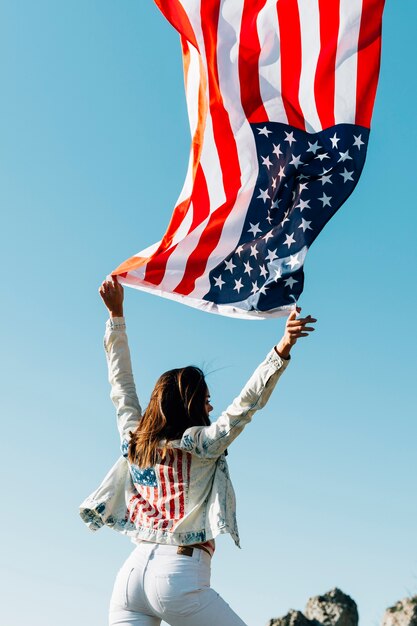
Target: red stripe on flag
[
  {"x": 149, "y": 496},
  {"x": 226, "y": 148},
  {"x": 156, "y": 266},
  {"x": 175, "y": 13},
  {"x": 249, "y": 51},
  {"x": 171, "y": 484},
  {"x": 369, "y": 59},
  {"x": 131, "y": 507},
  {"x": 325, "y": 79},
  {"x": 163, "y": 500},
  {"x": 200, "y": 199},
  {"x": 290, "y": 39},
  {"x": 180, "y": 484},
  {"x": 138, "y": 507}
]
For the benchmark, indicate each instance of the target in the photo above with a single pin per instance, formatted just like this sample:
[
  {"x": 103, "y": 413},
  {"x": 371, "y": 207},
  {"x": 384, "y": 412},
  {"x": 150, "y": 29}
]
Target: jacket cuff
[
  {"x": 116, "y": 323},
  {"x": 277, "y": 361}
]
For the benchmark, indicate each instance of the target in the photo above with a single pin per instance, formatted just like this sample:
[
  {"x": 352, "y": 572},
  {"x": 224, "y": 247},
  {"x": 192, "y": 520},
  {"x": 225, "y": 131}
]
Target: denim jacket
[{"x": 189, "y": 497}]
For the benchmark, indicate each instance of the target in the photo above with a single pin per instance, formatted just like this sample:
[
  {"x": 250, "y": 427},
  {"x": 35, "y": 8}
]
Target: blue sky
[{"x": 94, "y": 147}]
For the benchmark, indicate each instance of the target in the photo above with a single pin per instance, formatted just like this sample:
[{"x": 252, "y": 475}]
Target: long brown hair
[{"x": 177, "y": 402}]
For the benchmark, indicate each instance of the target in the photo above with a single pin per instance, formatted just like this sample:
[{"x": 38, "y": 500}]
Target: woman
[{"x": 171, "y": 492}]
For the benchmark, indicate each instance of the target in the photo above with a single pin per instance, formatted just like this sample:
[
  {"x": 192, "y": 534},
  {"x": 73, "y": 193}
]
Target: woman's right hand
[
  {"x": 111, "y": 292},
  {"x": 295, "y": 328}
]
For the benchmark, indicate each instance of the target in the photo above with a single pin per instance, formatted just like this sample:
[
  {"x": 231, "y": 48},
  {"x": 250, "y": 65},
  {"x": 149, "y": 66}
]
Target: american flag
[
  {"x": 280, "y": 97},
  {"x": 160, "y": 501}
]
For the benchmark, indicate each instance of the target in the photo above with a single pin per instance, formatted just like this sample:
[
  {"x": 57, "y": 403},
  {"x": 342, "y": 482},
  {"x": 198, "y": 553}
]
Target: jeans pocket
[{"x": 177, "y": 595}]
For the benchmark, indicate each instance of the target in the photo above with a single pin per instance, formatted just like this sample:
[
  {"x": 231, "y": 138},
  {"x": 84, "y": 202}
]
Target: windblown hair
[{"x": 177, "y": 402}]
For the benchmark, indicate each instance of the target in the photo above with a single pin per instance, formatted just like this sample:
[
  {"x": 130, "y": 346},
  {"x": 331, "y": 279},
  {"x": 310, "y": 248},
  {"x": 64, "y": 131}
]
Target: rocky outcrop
[
  {"x": 292, "y": 618},
  {"x": 404, "y": 613},
  {"x": 334, "y": 608}
]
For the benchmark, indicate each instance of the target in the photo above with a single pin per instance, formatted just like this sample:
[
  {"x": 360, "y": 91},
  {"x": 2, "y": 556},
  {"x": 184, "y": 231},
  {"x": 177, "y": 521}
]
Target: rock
[
  {"x": 404, "y": 613},
  {"x": 292, "y": 618},
  {"x": 334, "y": 608}
]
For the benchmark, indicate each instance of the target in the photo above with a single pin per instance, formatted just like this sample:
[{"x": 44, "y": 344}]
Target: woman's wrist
[
  {"x": 118, "y": 313},
  {"x": 283, "y": 349}
]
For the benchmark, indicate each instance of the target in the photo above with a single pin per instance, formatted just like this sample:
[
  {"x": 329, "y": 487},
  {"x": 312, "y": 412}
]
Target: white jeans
[{"x": 156, "y": 583}]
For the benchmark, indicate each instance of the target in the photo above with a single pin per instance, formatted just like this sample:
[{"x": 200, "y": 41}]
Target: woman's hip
[{"x": 155, "y": 577}]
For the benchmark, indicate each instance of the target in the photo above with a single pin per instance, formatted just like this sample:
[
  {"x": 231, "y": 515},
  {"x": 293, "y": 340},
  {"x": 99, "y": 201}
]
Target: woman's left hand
[
  {"x": 111, "y": 292},
  {"x": 295, "y": 328}
]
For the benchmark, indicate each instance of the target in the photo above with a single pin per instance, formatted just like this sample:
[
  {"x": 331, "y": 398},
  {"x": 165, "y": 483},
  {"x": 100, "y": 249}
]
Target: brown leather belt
[{"x": 188, "y": 550}]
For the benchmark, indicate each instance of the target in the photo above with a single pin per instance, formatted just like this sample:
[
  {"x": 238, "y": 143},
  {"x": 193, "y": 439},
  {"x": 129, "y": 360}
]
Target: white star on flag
[
  {"x": 272, "y": 255},
  {"x": 290, "y": 282},
  {"x": 335, "y": 140},
  {"x": 293, "y": 261},
  {"x": 238, "y": 285},
  {"x": 296, "y": 161},
  {"x": 248, "y": 268},
  {"x": 264, "y": 131},
  {"x": 358, "y": 142},
  {"x": 219, "y": 282},
  {"x": 264, "y": 195},
  {"x": 303, "y": 204},
  {"x": 229, "y": 265},
  {"x": 254, "y": 229},
  {"x": 326, "y": 200},
  {"x": 290, "y": 138},
  {"x": 289, "y": 240},
  {"x": 305, "y": 225},
  {"x": 266, "y": 161},
  {"x": 313, "y": 147},
  {"x": 346, "y": 175},
  {"x": 277, "y": 150},
  {"x": 254, "y": 251},
  {"x": 278, "y": 274},
  {"x": 344, "y": 156}
]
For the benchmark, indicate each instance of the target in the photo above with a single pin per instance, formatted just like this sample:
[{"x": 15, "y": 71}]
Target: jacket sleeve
[
  {"x": 211, "y": 441},
  {"x": 123, "y": 391}
]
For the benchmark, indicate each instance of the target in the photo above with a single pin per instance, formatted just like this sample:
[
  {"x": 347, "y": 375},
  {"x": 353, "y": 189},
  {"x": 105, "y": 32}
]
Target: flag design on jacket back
[
  {"x": 280, "y": 97},
  {"x": 161, "y": 492}
]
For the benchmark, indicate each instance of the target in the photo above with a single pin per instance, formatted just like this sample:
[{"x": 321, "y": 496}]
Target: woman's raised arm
[
  {"x": 211, "y": 441},
  {"x": 123, "y": 390}
]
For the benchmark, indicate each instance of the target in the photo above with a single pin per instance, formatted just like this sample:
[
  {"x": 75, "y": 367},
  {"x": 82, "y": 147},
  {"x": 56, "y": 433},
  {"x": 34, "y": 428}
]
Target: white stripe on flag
[
  {"x": 347, "y": 61},
  {"x": 228, "y": 67},
  {"x": 177, "y": 262},
  {"x": 270, "y": 63},
  {"x": 310, "y": 49},
  {"x": 192, "y": 89},
  {"x": 139, "y": 273},
  {"x": 210, "y": 164},
  {"x": 192, "y": 9}
]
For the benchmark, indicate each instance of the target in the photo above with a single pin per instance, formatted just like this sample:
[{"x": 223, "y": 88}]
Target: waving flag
[{"x": 280, "y": 97}]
